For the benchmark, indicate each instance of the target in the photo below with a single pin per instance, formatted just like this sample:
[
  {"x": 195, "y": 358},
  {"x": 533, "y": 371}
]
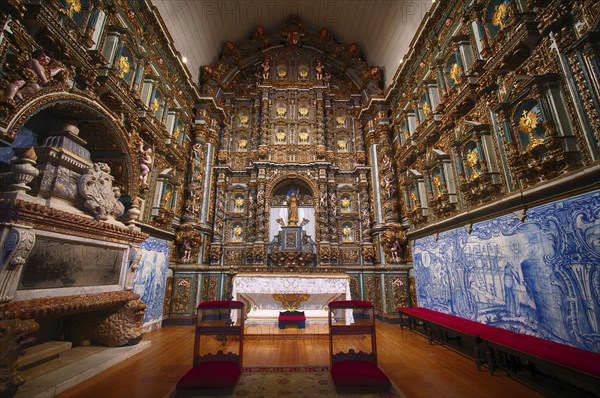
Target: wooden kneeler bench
[{"x": 292, "y": 318}]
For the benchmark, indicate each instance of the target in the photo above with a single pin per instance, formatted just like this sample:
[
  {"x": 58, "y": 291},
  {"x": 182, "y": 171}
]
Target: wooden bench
[
  {"x": 291, "y": 318},
  {"x": 512, "y": 351}
]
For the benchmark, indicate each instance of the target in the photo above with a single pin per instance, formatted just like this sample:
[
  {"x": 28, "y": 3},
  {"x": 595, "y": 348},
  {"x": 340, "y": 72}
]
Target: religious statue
[
  {"x": 473, "y": 161},
  {"x": 166, "y": 202},
  {"x": 293, "y": 210},
  {"x": 437, "y": 183},
  {"x": 266, "y": 69},
  {"x": 396, "y": 251},
  {"x": 35, "y": 76},
  {"x": 319, "y": 70},
  {"x": 197, "y": 151},
  {"x": 186, "y": 250},
  {"x": 415, "y": 200},
  {"x": 145, "y": 163}
]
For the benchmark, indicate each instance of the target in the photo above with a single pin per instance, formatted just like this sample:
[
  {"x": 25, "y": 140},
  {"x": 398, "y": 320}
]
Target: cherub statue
[
  {"x": 186, "y": 250},
  {"x": 266, "y": 69},
  {"x": 37, "y": 69},
  {"x": 319, "y": 70},
  {"x": 145, "y": 163}
]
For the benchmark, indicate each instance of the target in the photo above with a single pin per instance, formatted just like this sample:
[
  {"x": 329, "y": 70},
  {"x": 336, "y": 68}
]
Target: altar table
[{"x": 266, "y": 295}]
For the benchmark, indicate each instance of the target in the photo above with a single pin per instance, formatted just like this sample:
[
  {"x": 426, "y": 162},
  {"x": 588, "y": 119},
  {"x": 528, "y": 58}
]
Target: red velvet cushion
[
  {"x": 358, "y": 373},
  {"x": 350, "y": 304},
  {"x": 221, "y": 304},
  {"x": 292, "y": 318},
  {"x": 210, "y": 375}
]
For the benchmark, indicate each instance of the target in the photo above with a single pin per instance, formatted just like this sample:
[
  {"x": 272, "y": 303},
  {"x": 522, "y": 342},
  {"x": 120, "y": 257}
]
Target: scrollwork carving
[
  {"x": 101, "y": 198},
  {"x": 17, "y": 246}
]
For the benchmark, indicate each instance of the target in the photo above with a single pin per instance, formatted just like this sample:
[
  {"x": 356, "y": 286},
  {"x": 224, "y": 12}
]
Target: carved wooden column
[{"x": 261, "y": 202}]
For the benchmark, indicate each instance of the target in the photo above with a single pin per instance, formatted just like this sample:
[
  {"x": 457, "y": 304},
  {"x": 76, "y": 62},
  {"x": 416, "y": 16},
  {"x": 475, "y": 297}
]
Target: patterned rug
[{"x": 301, "y": 382}]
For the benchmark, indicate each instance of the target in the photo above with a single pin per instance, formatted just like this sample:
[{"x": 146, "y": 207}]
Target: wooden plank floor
[{"x": 416, "y": 368}]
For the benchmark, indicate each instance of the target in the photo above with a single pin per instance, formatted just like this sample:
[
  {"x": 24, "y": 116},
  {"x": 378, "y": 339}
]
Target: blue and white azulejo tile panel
[{"x": 540, "y": 277}]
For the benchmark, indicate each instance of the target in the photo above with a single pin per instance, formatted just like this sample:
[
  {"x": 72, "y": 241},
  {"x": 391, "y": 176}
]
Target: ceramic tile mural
[
  {"x": 151, "y": 277},
  {"x": 540, "y": 277}
]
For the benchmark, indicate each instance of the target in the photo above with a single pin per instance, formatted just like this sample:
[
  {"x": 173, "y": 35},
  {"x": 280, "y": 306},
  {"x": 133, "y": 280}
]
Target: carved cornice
[{"x": 54, "y": 220}]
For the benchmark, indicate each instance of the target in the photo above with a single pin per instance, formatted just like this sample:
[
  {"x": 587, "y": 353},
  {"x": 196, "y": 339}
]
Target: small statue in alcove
[{"x": 145, "y": 163}]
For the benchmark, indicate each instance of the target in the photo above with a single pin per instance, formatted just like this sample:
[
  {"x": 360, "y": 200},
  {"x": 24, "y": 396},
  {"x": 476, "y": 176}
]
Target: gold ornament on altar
[
  {"x": 281, "y": 110},
  {"x": 73, "y": 6},
  {"x": 500, "y": 16},
  {"x": 455, "y": 72},
  {"x": 244, "y": 120},
  {"x": 176, "y": 133},
  {"x": 281, "y": 71},
  {"x": 303, "y": 136},
  {"x": 342, "y": 145},
  {"x": 527, "y": 124},
  {"x": 303, "y": 111},
  {"x": 154, "y": 105},
  {"x": 243, "y": 144},
  {"x": 437, "y": 182},
  {"x": 472, "y": 161},
  {"x": 291, "y": 301},
  {"x": 340, "y": 121},
  {"x": 426, "y": 110},
  {"x": 406, "y": 135},
  {"x": 303, "y": 71},
  {"x": 415, "y": 200},
  {"x": 345, "y": 203},
  {"x": 239, "y": 204},
  {"x": 237, "y": 233},
  {"x": 280, "y": 135},
  {"x": 347, "y": 231},
  {"x": 123, "y": 66}
]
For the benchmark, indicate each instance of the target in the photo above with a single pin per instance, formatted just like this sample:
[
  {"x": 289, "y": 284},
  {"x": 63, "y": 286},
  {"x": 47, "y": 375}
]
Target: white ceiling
[{"x": 383, "y": 29}]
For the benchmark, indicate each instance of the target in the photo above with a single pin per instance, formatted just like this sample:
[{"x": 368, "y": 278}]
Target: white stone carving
[
  {"x": 100, "y": 196},
  {"x": 17, "y": 246}
]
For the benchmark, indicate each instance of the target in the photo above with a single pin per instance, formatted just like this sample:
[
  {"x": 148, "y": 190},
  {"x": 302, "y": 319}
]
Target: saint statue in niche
[{"x": 293, "y": 210}]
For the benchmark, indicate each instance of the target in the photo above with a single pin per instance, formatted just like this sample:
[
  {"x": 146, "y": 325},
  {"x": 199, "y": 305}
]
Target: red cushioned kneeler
[
  {"x": 218, "y": 324},
  {"x": 355, "y": 372}
]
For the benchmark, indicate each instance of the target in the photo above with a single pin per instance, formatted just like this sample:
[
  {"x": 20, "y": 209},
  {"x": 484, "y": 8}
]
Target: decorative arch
[
  {"x": 61, "y": 102},
  {"x": 278, "y": 182}
]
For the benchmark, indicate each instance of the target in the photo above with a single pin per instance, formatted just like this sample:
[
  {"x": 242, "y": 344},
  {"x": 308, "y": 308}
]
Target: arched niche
[
  {"x": 104, "y": 139},
  {"x": 279, "y": 202}
]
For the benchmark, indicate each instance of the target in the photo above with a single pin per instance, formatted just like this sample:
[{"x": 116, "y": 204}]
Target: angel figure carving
[
  {"x": 36, "y": 74},
  {"x": 527, "y": 124},
  {"x": 473, "y": 161},
  {"x": 500, "y": 15}
]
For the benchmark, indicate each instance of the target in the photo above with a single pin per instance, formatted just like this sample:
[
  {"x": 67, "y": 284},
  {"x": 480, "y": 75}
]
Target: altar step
[
  {"x": 72, "y": 367},
  {"x": 40, "y": 353}
]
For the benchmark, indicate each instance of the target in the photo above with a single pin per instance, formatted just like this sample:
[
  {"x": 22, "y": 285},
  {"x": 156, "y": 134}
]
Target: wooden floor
[{"x": 415, "y": 367}]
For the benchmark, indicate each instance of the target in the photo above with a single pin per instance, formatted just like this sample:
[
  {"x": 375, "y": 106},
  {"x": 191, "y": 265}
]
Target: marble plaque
[{"x": 57, "y": 264}]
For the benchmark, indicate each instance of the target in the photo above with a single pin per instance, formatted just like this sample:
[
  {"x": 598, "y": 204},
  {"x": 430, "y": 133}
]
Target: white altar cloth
[{"x": 258, "y": 290}]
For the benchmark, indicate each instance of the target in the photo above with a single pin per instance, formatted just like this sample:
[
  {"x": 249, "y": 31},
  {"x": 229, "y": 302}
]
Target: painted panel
[
  {"x": 151, "y": 277},
  {"x": 538, "y": 277}
]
